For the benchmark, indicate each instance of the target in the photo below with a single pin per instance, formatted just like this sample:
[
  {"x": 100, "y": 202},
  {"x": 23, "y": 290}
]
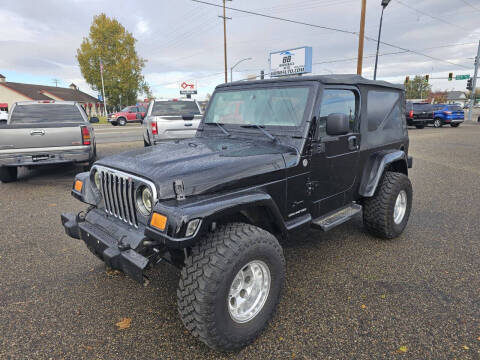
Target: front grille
[{"x": 118, "y": 192}]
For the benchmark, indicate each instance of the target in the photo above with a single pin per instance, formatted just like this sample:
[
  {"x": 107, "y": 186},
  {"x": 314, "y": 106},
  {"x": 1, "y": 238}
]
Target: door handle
[
  {"x": 37, "y": 132},
  {"x": 353, "y": 143},
  {"x": 188, "y": 124}
]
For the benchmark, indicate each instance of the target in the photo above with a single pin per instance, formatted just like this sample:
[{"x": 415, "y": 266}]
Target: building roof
[
  {"x": 345, "y": 79},
  {"x": 455, "y": 95},
  {"x": 40, "y": 92},
  {"x": 2, "y": 77}
]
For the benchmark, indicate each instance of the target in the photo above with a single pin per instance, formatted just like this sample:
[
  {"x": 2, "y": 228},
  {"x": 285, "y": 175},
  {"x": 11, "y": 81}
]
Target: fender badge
[
  {"x": 305, "y": 162},
  {"x": 179, "y": 189}
]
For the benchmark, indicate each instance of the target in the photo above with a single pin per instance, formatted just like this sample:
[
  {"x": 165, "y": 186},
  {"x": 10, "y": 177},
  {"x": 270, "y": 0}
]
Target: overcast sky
[{"x": 183, "y": 40}]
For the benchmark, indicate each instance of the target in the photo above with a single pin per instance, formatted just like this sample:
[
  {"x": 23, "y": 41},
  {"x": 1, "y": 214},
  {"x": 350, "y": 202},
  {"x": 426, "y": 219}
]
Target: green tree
[
  {"x": 417, "y": 88},
  {"x": 122, "y": 67}
]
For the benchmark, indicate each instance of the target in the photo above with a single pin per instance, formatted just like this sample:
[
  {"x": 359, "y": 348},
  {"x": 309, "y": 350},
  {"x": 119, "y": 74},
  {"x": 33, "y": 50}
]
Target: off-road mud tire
[{"x": 208, "y": 274}]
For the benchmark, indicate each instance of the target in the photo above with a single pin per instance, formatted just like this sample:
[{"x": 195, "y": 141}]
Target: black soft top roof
[{"x": 340, "y": 79}]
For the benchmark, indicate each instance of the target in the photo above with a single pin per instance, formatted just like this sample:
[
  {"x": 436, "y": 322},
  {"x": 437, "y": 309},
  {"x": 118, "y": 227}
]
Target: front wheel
[
  {"x": 455, "y": 125},
  {"x": 437, "y": 123},
  {"x": 230, "y": 285},
  {"x": 122, "y": 122},
  {"x": 8, "y": 174},
  {"x": 114, "y": 123},
  {"x": 386, "y": 213}
]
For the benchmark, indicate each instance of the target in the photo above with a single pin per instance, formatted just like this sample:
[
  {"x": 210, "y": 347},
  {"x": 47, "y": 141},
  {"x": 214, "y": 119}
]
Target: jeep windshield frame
[{"x": 242, "y": 97}]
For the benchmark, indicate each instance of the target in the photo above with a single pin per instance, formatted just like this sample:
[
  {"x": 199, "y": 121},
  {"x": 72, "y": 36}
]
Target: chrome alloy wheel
[
  {"x": 249, "y": 291},
  {"x": 400, "y": 207}
]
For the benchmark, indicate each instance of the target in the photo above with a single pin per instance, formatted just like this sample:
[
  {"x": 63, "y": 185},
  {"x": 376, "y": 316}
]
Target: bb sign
[
  {"x": 291, "y": 62},
  {"x": 188, "y": 87}
]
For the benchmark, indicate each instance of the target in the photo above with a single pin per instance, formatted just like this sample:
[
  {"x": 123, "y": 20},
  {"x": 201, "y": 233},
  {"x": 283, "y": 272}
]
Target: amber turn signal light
[
  {"x": 158, "y": 221},
  {"x": 78, "y": 185}
]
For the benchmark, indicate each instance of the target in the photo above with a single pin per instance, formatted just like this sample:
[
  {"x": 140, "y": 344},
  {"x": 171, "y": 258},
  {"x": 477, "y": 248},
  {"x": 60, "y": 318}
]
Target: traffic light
[
  {"x": 450, "y": 76},
  {"x": 407, "y": 79},
  {"x": 470, "y": 84},
  {"x": 427, "y": 77}
]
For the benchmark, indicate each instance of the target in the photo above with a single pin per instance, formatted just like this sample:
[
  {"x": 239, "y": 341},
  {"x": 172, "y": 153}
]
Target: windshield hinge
[{"x": 179, "y": 189}]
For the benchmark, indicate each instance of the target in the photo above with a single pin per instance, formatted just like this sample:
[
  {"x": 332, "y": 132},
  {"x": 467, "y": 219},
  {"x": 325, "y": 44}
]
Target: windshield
[
  {"x": 39, "y": 113},
  {"x": 283, "y": 106},
  {"x": 126, "y": 109},
  {"x": 174, "y": 108}
]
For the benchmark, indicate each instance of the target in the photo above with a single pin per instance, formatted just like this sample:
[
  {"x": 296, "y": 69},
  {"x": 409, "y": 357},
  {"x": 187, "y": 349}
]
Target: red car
[{"x": 128, "y": 114}]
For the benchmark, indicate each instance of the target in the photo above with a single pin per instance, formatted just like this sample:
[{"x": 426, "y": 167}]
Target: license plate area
[{"x": 40, "y": 157}]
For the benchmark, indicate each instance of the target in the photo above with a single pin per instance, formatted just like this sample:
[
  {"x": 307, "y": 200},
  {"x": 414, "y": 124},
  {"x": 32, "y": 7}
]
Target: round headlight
[
  {"x": 144, "y": 200},
  {"x": 97, "y": 179}
]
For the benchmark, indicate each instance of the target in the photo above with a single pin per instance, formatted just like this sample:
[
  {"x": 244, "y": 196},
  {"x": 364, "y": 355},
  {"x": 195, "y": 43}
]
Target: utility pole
[
  {"x": 56, "y": 81},
  {"x": 361, "y": 38},
  {"x": 474, "y": 84},
  {"x": 103, "y": 88},
  {"x": 225, "y": 18}
]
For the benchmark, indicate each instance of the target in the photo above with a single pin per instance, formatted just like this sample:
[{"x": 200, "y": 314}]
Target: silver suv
[{"x": 171, "y": 119}]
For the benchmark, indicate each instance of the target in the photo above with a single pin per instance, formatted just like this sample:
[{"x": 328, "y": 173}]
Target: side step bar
[{"x": 333, "y": 219}]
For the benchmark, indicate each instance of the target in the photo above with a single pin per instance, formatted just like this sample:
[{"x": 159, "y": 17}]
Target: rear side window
[
  {"x": 46, "y": 113},
  {"x": 385, "y": 120},
  {"x": 338, "y": 101},
  {"x": 455, "y": 108},
  {"x": 174, "y": 108}
]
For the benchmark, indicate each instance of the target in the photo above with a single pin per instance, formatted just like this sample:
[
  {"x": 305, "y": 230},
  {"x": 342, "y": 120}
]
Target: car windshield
[
  {"x": 282, "y": 106},
  {"x": 174, "y": 108},
  {"x": 42, "y": 113},
  {"x": 126, "y": 109}
]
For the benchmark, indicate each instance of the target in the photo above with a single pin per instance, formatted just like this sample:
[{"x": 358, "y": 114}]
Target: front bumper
[{"x": 111, "y": 242}]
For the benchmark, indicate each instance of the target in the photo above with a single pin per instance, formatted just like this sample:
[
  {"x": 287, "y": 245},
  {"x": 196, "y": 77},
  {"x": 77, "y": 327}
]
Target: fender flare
[
  {"x": 209, "y": 210},
  {"x": 376, "y": 165}
]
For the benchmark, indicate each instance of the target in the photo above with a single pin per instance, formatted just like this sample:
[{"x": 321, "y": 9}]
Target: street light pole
[
  {"x": 384, "y": 5},
  {"x": 233, "y": 67}
]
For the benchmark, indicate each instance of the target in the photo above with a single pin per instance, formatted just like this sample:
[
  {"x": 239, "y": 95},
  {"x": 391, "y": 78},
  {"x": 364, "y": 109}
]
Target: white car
[
  {"x": 3, "y": 115},
  {"x": 171, "y": 119}
]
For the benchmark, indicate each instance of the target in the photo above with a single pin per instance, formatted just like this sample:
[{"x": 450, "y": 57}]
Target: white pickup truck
[{"x": 45, "y": 132}]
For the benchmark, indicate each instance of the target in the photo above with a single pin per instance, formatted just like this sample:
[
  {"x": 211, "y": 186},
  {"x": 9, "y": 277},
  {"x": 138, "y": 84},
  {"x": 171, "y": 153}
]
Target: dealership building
[{"x": 12, "y": 92}]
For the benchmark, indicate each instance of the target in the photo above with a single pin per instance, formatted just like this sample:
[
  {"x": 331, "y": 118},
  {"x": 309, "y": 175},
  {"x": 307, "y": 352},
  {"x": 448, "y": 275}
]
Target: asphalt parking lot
[{"x": 348, "y": 295}]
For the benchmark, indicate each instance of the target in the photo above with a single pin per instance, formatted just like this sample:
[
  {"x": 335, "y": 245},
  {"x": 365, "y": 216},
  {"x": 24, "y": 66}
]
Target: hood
[{"x": 205, "y": 165}]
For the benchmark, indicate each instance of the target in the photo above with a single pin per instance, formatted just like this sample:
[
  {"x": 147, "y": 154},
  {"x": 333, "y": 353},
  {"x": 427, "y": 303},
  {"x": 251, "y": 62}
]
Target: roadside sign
[
  {"x": 462, "y": 77},
  {"x": 291, "y": 62},
  {"x": 188, "y": 87},
  {"x": 100, "y": 97}
]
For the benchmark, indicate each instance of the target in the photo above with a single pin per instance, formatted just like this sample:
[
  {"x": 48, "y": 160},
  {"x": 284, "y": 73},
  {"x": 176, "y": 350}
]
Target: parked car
[
  {"x": 129, "y": 114},
  {"x": 45, "y": 132},
  {"x": 3, "y": 116},
  {"x": 448, "y": 114},
  {"x": 171, "y": 119},
  {"x": 268, "y": 161},
  {"x": 418, "y": 114}
]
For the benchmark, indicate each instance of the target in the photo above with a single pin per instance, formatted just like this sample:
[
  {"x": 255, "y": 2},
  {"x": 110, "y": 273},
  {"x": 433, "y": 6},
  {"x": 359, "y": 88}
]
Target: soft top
[{"x": 343, "y": 79}]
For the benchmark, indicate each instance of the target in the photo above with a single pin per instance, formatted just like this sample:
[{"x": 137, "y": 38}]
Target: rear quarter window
[
  {"x": 386, "y": 122},
  {"x": 46, "y": 113}
]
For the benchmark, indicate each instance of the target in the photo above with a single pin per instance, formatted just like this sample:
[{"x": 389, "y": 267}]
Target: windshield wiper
[
  {"x": 220, "y": 126},
  {"x": 262, "y": 129}
]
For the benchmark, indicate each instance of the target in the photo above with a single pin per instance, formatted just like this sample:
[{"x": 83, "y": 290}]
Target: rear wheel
[
  {"x": 230, "y": 285},
  {"x": 386, "y": 213},
  {"x": 437, "y": 123},
  {"x": 455, "y": 125},
  {"x": 8, "y": 173},
  {"x": 122, "y": 121}
]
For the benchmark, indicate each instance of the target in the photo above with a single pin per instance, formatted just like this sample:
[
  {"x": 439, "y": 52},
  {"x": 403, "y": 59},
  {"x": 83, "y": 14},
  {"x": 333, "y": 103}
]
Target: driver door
[{"x": 334, "y": 161}]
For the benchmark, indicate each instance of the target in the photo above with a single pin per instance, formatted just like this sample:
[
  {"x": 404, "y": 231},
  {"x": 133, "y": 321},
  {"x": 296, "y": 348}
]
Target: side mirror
[
  {"x": 94, "y": 120},
  {"x": 338, "y": 124},
  {"x": 188, "y": 116}
]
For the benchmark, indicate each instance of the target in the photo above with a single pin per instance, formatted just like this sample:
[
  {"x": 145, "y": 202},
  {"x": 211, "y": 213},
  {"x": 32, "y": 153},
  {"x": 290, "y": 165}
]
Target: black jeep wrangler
[{"x": 270, "y": 158}]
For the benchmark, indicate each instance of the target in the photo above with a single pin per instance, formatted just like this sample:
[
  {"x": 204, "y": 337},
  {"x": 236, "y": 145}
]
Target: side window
[
  {"x": 380, "y": 105},
  {"x": 337, "y": 101}
]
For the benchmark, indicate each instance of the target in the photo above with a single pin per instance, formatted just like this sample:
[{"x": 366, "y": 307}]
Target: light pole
[
  {"x": 233, "y": 67},
  {"x": 384, "y": 5}
]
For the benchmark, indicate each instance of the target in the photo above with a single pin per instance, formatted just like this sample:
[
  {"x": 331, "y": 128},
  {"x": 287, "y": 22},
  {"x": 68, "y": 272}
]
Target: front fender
[
  {"x": 208, "y": 209},
  {"x": 376, "y": 165}
]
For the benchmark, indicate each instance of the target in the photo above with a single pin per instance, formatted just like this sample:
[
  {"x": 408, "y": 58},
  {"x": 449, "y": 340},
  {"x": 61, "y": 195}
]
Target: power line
[
  {"x": 467, "y": 3},
  {"x": 443, "y": 21},
  {"x": 331, "y": 29}
]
